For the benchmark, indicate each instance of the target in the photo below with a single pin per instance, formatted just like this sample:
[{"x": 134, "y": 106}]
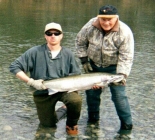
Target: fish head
[
  {"x": 112, "y": 78},
  {"x": 117, "y": 78}
]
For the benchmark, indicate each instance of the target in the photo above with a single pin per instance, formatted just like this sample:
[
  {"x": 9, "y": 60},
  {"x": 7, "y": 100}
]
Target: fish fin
[
  {"x": 101, "y": 84},
  {"x": 51, "y": 91},
  {"x": 72, "y": 90}
]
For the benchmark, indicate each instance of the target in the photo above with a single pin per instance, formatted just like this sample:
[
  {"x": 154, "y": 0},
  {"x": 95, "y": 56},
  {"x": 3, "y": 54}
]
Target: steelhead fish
[{"x": 81, "y": 82}]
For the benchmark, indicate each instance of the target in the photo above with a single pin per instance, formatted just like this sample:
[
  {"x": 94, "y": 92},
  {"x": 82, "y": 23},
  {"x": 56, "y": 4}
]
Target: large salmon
[{"x": 81, "y": 82}]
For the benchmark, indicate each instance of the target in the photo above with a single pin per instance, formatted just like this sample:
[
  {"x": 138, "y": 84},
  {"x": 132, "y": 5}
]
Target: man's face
[
  {"x": 53, "y": 37},
  {"x": 107, "y": 23}
]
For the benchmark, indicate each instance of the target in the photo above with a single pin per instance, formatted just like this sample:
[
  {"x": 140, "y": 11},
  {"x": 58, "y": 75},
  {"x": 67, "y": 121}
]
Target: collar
[
  {"x": 50, "y": 55},
  {"x": 98, "y": 26}
]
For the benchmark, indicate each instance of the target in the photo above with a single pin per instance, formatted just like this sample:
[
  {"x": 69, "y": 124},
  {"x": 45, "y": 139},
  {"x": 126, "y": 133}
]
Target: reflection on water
[{"x": 21, "y": 27}]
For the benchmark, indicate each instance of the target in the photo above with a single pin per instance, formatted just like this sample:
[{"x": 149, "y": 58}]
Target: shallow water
[{"x": 21, "y": 27}]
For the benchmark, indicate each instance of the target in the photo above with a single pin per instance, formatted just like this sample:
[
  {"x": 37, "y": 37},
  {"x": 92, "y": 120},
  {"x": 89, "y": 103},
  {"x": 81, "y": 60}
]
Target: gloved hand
[
  {"x": 122, "y": 82},
  {"x": 87, "y": 67},
  {"x": 38, "y": 84}
]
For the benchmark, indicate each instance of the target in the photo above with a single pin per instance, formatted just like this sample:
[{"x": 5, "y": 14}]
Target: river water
[{"x": 21, "y": 27}]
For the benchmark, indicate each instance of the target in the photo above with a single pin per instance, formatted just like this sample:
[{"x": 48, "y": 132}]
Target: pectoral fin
[
  {"x": 52, "y": 91},
  {"x": 72, "y": 90},
  {"x": 101, "y": 84}
]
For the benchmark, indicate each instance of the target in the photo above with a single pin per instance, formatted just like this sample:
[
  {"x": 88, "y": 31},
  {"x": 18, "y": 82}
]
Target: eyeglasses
[{"x": 55, "y": 33}]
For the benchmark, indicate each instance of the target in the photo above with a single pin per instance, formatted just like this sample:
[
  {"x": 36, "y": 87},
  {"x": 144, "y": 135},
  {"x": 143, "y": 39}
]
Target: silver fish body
[{"x": 81, "y": 82}]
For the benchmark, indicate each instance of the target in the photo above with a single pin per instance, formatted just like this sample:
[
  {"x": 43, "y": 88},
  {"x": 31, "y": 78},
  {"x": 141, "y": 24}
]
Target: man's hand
[
  {"x": 37, "y": 84},
  {"x": 96, "y": 87},
  {"x": 122, "y": 82},
  {"x": 87, "y": 67}
]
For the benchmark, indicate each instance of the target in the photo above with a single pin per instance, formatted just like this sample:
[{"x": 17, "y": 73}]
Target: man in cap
[
  {"x": 46, "y": 62},
  {"x": 106, "y": 44}
]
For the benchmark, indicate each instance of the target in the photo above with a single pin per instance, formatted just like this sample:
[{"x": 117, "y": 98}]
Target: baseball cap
[
  {"x": 107, "y": 11},
  {"x": 53, "y": 25}
]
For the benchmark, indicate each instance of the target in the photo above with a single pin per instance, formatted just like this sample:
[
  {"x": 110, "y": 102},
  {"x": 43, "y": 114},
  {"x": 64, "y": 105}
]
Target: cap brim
[
  {"x": 53, "y": 29},
  {"x": 107, "y": 16}
]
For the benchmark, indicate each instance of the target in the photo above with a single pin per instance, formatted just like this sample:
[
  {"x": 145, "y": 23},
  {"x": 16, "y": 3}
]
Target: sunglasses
[{"x": 50, "y": 33}]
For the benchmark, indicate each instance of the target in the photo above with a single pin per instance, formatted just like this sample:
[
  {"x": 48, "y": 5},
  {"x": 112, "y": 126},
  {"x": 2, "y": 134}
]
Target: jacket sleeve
[
  {"x": 81, "y": 41},
  {"x": 22, "y": 63},
  {"x": 126, "y": 54},
  {"x": 74, "y": 66}
]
